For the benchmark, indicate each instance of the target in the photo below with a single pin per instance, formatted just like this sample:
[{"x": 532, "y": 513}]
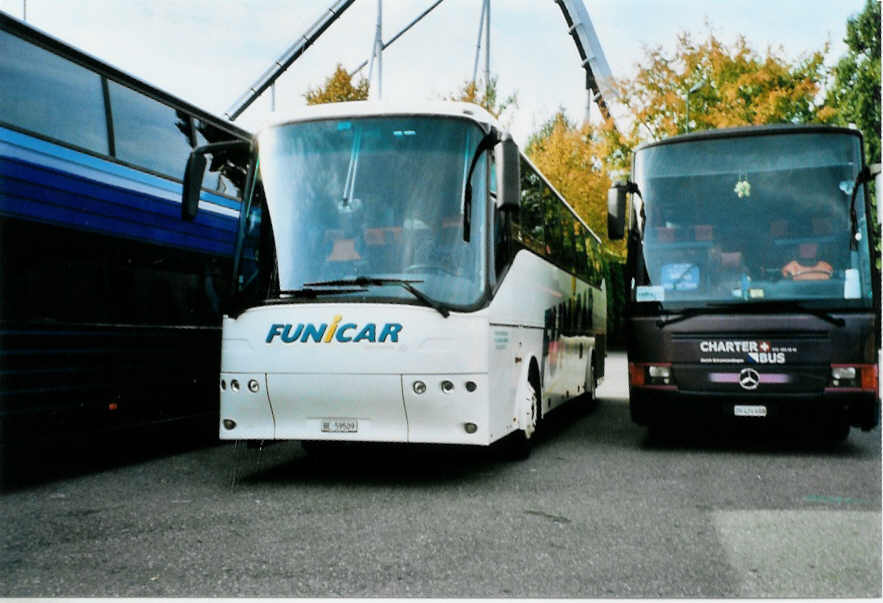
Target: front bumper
[{"x": 651, "y": 404}]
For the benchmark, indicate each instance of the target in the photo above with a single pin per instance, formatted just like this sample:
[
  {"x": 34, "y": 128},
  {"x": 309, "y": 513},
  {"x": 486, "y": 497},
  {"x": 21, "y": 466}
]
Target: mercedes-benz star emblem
[{"x": 749, "y": 378}]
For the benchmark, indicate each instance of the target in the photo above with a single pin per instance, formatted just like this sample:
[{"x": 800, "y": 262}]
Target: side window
[
  {"x": 52, "y": 96},
  {"x": 567, "y": 236},
  {"x": 148, "y": 133},
  {"x": 579, "y": 249},
  {"x": 532, "y": 208},
  {"x": 554, "y": 228},
  {"x": 593, "y": 251}
]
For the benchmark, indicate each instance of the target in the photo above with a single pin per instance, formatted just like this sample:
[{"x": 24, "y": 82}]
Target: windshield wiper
[
  {"x": 363, "y": 281},
  {"x": 716, "y": 307},
  {"x": 312, "y": 293},
  {"x": 679, "y": 315}
]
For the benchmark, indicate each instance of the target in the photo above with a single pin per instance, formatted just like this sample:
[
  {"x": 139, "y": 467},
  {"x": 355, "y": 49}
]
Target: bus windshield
[
  {"x": 747, "y": 219},
  {"x": 380, "y": 198}
]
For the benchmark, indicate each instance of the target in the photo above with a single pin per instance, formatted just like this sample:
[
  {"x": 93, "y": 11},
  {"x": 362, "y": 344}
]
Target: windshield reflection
[
  {"x": 378, "y": 197},
  {"x": 754, "y": 218}
]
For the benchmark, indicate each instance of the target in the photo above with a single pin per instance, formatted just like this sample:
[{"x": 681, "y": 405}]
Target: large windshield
[
  {"x": 377, "y": 197},
  {"x": 752, "y": 218}
]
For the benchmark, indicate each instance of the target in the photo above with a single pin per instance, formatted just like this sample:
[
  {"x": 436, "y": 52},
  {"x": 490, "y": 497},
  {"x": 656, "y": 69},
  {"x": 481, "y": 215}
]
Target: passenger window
[
  {"x": 52, "y": 96},
  {"x": 148, "y": 133},
  {"x": 554, "y": 230},
  {"x": 532, "y": 209},
  {"x": 579, "y": 242}
]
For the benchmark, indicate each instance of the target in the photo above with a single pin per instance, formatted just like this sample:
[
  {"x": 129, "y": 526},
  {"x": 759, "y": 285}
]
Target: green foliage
[
  {"x": 733, "y": 86},
  {"x": 569, "y": 156},
  {"x": 338, "y": 88},
  {"x": 485, "y": 96},
  {"x": 856, "y": 88}
]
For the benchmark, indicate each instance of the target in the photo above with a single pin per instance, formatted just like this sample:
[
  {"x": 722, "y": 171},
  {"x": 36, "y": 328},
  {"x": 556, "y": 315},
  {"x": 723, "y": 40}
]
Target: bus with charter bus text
[
  {"x": 752, "y": 279},
  {"x": 403, "y": 274}
]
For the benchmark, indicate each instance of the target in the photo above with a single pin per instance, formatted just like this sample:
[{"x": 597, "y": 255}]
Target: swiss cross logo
[{"x": 764, "y": 346}]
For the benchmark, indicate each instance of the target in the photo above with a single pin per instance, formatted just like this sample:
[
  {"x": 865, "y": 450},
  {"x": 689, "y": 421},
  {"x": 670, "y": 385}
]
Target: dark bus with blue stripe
[
  {"x": 752, "y": 279},
  {"x": 109, "y": 312}
]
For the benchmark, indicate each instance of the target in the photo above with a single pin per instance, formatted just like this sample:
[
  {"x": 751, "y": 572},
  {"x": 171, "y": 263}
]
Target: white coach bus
[{"x": 403, "y": 274}]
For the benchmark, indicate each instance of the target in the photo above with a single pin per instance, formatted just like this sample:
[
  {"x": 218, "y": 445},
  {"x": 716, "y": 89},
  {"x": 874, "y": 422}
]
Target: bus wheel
[
  {"x": 518, "y": 445},
  {"x": 591, "y": 385}
]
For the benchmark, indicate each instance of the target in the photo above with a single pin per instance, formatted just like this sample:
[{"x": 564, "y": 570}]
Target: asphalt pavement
[{"x": 600, "y": 509}]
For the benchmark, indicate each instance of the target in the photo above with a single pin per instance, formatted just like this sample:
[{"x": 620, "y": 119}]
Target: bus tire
[
  {"x": 518, "y": 445},
  {"x": 591, "y": 385}
]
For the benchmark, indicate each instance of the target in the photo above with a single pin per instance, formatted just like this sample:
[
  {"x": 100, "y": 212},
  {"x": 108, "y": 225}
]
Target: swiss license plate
[
  {"x": 340, "y": 425},
  {"x": 757, "y": 410}
]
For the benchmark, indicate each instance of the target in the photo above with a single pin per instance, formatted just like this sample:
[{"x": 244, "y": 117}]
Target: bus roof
[
  {"x": 752, "y": 131},
  {"x": 353, "y": 109}
]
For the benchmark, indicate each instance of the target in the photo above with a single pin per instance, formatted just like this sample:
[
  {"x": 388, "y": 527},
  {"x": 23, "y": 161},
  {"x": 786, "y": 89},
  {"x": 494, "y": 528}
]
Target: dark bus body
[
  {"x": 752, "y": 284},
  {"x": 109, "y": 304}
]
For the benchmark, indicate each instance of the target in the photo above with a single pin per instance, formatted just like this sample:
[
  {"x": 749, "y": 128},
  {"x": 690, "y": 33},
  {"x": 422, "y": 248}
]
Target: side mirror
[
  {"x": 195, "y": 171},
  {"x": 616, "y": 206},
  {"x": 193, "y": 175},
  {"x": 508, "y": 163}
]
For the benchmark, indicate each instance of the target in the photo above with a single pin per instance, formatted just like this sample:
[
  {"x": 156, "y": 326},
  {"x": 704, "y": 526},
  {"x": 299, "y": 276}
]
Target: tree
[
  {"x": 485, "y": 96},
  {"x": 338, "y": 88},
  {"x": 856, "y": 88},
  {"x": 727, "y": 86},
  {"x": 570, "y": 156}
]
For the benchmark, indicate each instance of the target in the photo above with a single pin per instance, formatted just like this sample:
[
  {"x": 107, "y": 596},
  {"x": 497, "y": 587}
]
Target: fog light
[
  {"x": 447, "y": 386},
  {"x": 253, "y": 386},
  {"x": 234, "y": 385},
  {"x": 229, "y": 424},
  {"x": 470, "y": 386},
  {"x": 419, "y": 387},
  {"x": 470, "y": 427}
]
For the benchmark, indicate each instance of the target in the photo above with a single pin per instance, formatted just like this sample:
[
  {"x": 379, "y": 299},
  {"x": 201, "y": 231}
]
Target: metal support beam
[
  {"x": 398, "y": 35},
  {"x": 288, "y": 57},
  {"x": 478, "y": 41},
  {"x": 376, "y": 92},
  {"x": 599, "y": 79}
]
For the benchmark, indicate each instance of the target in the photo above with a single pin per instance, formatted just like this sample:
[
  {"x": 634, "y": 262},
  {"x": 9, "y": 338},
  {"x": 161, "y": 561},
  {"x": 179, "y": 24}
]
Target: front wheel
[{"x": 518, "y": 445}]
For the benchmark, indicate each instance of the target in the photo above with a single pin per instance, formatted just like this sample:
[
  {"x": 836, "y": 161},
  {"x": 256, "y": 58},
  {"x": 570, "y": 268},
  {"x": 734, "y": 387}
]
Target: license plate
[
  {"x": 340, "y": 425},
  {"x": 749, "y": 411}
]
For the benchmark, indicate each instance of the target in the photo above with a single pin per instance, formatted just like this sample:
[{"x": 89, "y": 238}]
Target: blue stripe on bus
[
  {"x": 105, "y": 165},
  {"x": 40, "y": 193}
]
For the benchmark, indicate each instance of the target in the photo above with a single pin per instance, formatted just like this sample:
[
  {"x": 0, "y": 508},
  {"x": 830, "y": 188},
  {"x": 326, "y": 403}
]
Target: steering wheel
[{"x": 432, "y": 268}]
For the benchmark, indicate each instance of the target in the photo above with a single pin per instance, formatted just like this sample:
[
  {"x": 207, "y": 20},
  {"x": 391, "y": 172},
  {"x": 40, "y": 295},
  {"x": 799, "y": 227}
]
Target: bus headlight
[
  {"x": 861, "y": 376},
  {"x": 419, "y": 387},
  {"x": 838, "y": 373},
  {"x": 659, "y": 372},
  {"x": 253, "y": 386}
]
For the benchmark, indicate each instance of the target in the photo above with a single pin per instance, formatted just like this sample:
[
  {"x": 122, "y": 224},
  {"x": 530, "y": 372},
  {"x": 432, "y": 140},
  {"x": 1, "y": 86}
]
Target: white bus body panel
[
  {"x": 306, "y": 382},
  {"x": 307, "y": 385},
  {"x": 525, "y": 302}
]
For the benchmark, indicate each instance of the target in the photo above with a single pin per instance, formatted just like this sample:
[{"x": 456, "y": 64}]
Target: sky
[{"x": 209, "y": 52}]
